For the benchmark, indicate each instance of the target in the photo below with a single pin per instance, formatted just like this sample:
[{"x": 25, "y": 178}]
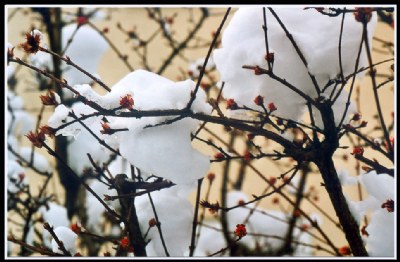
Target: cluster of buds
[
  {"x": 257, "y": 70},
  {"x": 205, "y": 86},
  {"x": 363, "y": 14},
  {"x": 271, "y": 107},
  {"x": 240, "y": 230},
  {"x": 32, "y": 43},
  {"x": 391, "y": 142},
  {"x": 304, "y": 227},
  {"x": 389, "y": 205},
  {"x": 76, "y": 227},
  {"x": 107, "y": 130},
  {"x": 275, "y": 200},
  {"x": 358, "y": 151},
  {"x": 250, "y": 136},
  {"x": 37, "y": 139},
  {"x": 211, "y": 177},
  {"x": 259, "y": 100},
  {"x": 231, "y": 104},
  {"x": 247, "y": 156},
  {"x": 270, "y": 57},
  {"x": 345, "y": 250},
  {"x": 127, "y": 102},
  {"x": 364, "y": 231},
  {"x": 297, "y": 213},
  {"x": 356, "y": 117},
  {"x": 272, "y": 180},
  {"x": 81, "y": 20},
  {"x": 152, "y": 222},
  {"x": 213, "y": 208},
  {"x": 241, "y": 202},
  {"x": 50, "y": 99},
  {"x": 219, "y": 156},
  {"x": 169, "y": 20},
  {"x": 10, "y": 53},
  {"x": 125, "y": 244},
  {"x": 46, "y": 130}
]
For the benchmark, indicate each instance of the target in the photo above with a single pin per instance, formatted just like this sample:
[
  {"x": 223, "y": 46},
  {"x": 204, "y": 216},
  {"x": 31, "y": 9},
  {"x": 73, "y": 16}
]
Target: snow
[
  {"x": 166, "y": 150},
  {"x": 84, "y": 143},
  {"x": 56, "y": 216},
  {"x": 36, "y": 32},
  {"x": 10, "y": 67},
  {"x": 317, "y": 37},
  {"x": 175, "y": 214},
  {"x": 258, "y": 223},
  {"x": 381, "y": 186},
  {"x": 86, "y": 50},
  {"x": 40, "y": 162},
  {"x": 210, "y": 240},
  {"x": 381, "y": 227},
  {"x": 13, "y": 171},
  {"x": 21, "y": 121},
  {"x": 58, "y": 117},
  {"x": 380, "y": 242},
  {"x": 195, "y": 67},
  {"x": 94, "y": 209},
  {"x": 68, "y": 237},
  {"x": 346, "y": 179}
]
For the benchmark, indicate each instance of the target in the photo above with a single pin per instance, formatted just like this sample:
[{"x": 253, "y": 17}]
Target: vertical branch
[
  {"x": 265, "y": 28},
  {"x": 129, "y": 212},
  {"x": 224, "y": 192},
  {"x": 374, "y": 88},
  {"x": 52, "y": 20},
  {"x": 287, "y": 246},
  {"x": 192, "y": 246},
  {"x": 352, "y": 84},
  {"x": 158, "y": 225},
  {"x": 332, "y": 184},
  {"x": 334, "y": 188}
]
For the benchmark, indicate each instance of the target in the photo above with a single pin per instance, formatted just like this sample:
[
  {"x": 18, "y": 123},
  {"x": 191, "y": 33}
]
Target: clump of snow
[
  {"x": 56, "y": 216},
  {"x": 94, "y": 209},
  {"x": 175, "y": 214},
  {"x": 195, "y": 67},
  {"x": 381, "y": 228},
  {"x": 380, "y": 241},
  {"x": 258, "y": 223},
  {"x": 68, "y": 237},
  {"x": 211, "y": 240},
  {"x": 81, "y": 141},
  {"x": 36, "y": 32},
  {"x": 10, "y": 67},
  {"x": 40, "y": 162},
  {"x": 58, "y": 117},
  {"x": 346, "y": 179},
  {"x": 165, "y": 150},
  {"x": 86, "y": 50},
  {"x": 15, "y": 176},
  {"x": 18, "y": 120},
  {"x": 317, "y": 37}
]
